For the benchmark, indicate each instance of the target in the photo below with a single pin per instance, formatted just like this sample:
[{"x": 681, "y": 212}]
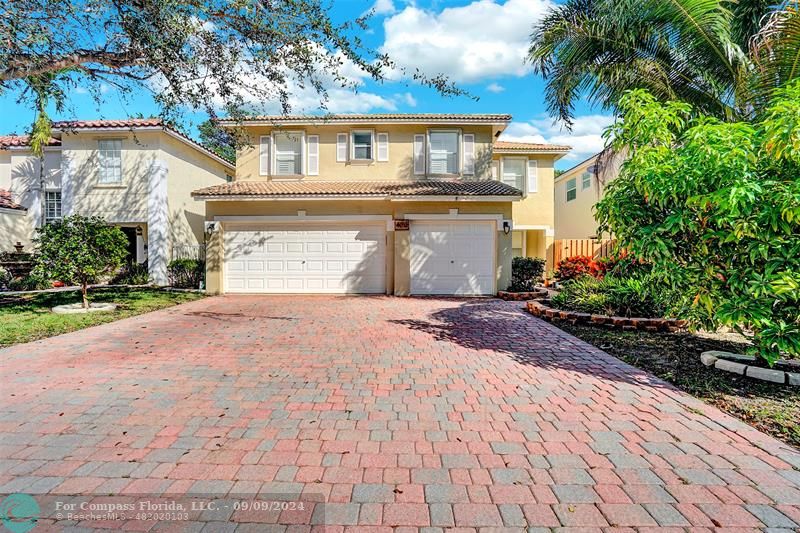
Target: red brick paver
[{"x": 356, "y": 413}]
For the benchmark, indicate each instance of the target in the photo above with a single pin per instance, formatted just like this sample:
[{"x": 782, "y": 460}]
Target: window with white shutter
[
  {"x": 263, "y": 155},
  {"x": 313, "y": 155},
  {"x": 419, "y": 154},
  {"x": 383, "y": 147},
  {"x": 341, "y": 147},
  {"x": 469, "y": 153},
  {"x": 514, "y": 173},
  {"x": 533, "y": 176},
  {"x": 288, "y": 148},
  {"x": 443, "y": 152}
]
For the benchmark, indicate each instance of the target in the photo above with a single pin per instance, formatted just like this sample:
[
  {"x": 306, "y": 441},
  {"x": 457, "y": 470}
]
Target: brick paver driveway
[{"x": 395, "y": 412}]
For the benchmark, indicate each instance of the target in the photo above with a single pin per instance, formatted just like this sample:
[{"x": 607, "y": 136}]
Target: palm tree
[{"x": 722, "y": 56}]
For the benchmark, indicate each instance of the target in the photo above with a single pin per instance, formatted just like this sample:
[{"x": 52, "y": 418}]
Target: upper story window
[
  {"x": 514, "y": 173},
  {"x": 586, "y": 181},
  {"x": 362, "y": 145},
  {"x": 52, "y": 206},
  {"x": 572, "y": 189},
  {"x": 443, "y": 152},
  {"x": 288, "y": 154},
  {"x": 110, "y": 158}
]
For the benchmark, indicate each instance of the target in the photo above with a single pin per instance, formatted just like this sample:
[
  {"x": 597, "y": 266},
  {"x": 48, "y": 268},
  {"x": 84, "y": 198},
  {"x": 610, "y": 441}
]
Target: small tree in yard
[
  {"x": 715, "y": 209},
  {"x": 79, "y": 250}
]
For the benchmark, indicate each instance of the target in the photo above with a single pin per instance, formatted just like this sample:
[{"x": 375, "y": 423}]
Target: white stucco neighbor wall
[{"x": 157, "y": 223}]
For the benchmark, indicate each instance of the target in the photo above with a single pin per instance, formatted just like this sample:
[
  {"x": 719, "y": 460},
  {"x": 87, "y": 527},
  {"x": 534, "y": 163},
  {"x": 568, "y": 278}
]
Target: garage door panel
[
  {"x": 301, "y": 258},
  {"x": 452, "y": 258}
]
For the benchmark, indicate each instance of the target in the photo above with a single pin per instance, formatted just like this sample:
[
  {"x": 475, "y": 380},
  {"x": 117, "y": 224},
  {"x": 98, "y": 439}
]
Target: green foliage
[
  {"x": 30, "y": 282},
  {"x": 724, "y": 57},
  {"x": 217, "y": 139},
  {"x": 639, "y": 296},
  {"x": 132, "y": 273},
  {"x": 526, "y": 272},
  {"x": 186, "y": 273},
  {"x": 79, "y": 249},
  {"x": 715, "y": 208},
  {"x": 5, "y": 279}
]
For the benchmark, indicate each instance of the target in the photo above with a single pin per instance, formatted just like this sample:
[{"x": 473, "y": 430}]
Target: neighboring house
[
  {"x": 577, "y": 191},
  {"x": 137, "y": 174},
  {"x": 386, "y": 203}
]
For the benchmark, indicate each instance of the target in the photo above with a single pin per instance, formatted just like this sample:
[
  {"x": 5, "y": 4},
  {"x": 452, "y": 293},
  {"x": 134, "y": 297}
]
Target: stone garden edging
[
  {"x": 539, "y": 308},
  {"x": 522, "y": 296},
  {"x": 741, "y": 364}
]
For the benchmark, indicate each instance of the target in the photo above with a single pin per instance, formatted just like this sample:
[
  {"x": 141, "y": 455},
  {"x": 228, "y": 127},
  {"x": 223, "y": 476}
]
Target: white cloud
[
  {"x": 408, "y": 99},
  {"x": 481, "y": 40},
  {"x": 495, "y": 88},
  {"x": 585, "y": 138},
  {"x": 383, "y": 7}
]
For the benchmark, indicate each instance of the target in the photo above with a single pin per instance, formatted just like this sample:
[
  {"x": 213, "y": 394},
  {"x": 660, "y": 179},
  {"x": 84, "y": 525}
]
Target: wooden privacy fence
[{"x": 564, "y": 248}]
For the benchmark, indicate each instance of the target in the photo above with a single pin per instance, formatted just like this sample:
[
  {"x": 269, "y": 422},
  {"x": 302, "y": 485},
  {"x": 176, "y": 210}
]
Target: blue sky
[{"x": 479, "y": 44}]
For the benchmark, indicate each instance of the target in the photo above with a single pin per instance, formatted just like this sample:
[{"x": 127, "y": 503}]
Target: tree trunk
[{"x": 83, "y": 295}]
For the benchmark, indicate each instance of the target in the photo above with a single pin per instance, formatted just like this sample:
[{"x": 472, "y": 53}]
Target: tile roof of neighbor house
[
  {"x": 14, "y": 141},
  {"x": 529, "y": 147},
  {"x": 346, "y": 189},
  {"x": 488, "y": 118},
  {"x": 19, "y": 141},
  {"x": 7, "y": 203}
]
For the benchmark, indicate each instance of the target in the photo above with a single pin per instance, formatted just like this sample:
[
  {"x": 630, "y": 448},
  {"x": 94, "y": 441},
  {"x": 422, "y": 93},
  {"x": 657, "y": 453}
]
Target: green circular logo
[{"x": 19, "y": 513}]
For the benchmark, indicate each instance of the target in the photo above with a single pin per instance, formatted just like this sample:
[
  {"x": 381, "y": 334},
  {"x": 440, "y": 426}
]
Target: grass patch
[
  {"x": 28, "y": 318},
  {"x": 675, "y": 357}
]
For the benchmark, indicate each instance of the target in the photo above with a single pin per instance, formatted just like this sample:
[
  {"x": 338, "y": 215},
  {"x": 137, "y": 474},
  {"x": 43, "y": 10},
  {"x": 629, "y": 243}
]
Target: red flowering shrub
[{"x": 574, "y": 267}]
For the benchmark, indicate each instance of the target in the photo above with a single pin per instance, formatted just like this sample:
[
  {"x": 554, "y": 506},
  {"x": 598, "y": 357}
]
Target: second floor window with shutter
[
  {"x": 288, "y": 154},
  {"x": 362, "y": 145},
  {"x": 443, "y": 152},
  {"x": 110, "y": 160},
  {"x": 514, "y": 173}
]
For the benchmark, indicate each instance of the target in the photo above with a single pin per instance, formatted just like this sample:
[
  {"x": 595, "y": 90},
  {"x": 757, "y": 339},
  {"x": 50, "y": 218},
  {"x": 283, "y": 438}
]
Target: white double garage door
[{"x": 446, "y": 257}]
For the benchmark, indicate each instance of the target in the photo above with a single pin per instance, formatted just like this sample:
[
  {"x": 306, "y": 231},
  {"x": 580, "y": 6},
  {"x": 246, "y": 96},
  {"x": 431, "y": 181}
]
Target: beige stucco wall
[
  {"x": 398, "y": 242},
  {"x": 19, "y": 174},
  {"x": 125, "y": 202},
  {"x": 401, "y": 148},
  {"x": 535, "y": 209},
  {"x": 188, "y": 170},
  {"x": 575, "y": 219}
]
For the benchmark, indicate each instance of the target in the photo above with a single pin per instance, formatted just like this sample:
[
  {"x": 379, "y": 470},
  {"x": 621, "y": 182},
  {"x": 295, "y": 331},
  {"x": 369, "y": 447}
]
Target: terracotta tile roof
[
  {"x": 488, "y": 118},
  {"x": 124, "y": 123},
  {"x": 13, "y": 141},
  {"x": 7, "y": 203},
  {"x": 530, "y": 147},
  {"x": 133, "y": 123},
  {"x": 360, "y": 188}
]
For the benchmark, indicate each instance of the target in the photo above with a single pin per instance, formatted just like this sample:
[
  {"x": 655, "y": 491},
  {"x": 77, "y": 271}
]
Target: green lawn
[{"x": 28, "y": 318}]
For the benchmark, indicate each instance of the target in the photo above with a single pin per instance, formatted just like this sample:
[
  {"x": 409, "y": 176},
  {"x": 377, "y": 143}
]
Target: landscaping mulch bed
[{"x": 675, "y": 357}]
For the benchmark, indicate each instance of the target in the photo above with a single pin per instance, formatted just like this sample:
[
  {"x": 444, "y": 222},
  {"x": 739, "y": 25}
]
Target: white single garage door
[
  {"x": 305, "y": 258},
  {"x": 452, "y": 257}
]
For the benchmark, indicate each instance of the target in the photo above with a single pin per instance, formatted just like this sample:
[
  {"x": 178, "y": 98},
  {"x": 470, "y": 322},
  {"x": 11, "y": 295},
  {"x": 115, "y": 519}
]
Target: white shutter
[
  {"x": 533, "y": 176},
  {"x": 383, "y": 147},
  {"x": 419, "y": 154},
  {"x": 263, "y": 155},
  {"x": 341, "y": 147},
  {"x": 469, "y": 153},
  {"x": 495, "y": 169},
  {"x": 313, "y": 155}
]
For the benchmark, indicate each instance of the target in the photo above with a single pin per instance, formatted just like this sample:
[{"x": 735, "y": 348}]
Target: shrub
[
  {"x": 640, "y": 296},
  {"x": 573, "y": 267},
  {"x": 132, "y": 274},
  {"x": 186, "y": 273},
  {"x": 526, "y": 272},
  {"x": 5, "y": 279},
  {"x": 79, "y": 249},
  {"x": 31, "y": 282}
]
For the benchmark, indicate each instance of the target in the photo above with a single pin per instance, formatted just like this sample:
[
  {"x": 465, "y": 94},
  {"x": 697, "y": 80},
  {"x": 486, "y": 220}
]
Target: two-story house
[
  {"x": 577, "y": 191},
  {"x": 386, "y": 203},
  {"x": 137, "y": 174}
]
